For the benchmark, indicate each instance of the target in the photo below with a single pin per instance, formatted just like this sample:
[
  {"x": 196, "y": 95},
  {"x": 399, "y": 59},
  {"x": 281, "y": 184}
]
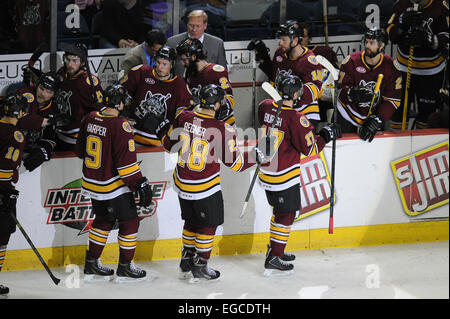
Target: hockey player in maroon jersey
[
  {"x": 199, "y": 73},
  {"x": 110, "y": 176},
  {"x": 81, "y": 95},
  {"x": 362, "y": 110},
  {"x": 291, "y": 57},
  {"x": 46, "y": 111},
  {"x": 12, "y": 143},
  {"x": 426, "y": 30},
  {"x": 205, "y": 141},
  {"x": 294, "y": 135},
  {"x": 155, "y": 90}
]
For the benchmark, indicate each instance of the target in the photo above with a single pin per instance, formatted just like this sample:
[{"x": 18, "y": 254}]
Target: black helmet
[
  {"x": 50, "y": 81},
  {"x": 291, "y": 29},
  {"x": 375, "y": 33},
  {"x": 78, "y": 49},
  {"x": 189, "y": 46},
  {"x": 167, "y": 53},
  {"x": 116, "y": 93},
  {"x": 12, "y": 104},
  {"x": 209, "y": 95},
  {"x": 289, "y": 84}
]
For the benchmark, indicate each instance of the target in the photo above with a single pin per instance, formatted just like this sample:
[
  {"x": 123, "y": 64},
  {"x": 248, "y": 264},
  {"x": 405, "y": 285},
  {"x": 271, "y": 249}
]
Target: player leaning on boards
[
  {"x": 294, "y": 135},
  {"x": 12, "y": 143},
  {"x": 205, "y": 141},
  {"x": 361, "y": 108},
  {"x": 110, "y": 176}
]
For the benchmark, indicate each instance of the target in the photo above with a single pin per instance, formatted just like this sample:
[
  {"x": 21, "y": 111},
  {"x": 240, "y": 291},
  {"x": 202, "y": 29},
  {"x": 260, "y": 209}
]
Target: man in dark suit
[{"x": 214, "y": 46}]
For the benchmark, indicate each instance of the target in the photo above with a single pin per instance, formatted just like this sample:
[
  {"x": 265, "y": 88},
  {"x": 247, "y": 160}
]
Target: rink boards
[{"x": 393, "y": 190}]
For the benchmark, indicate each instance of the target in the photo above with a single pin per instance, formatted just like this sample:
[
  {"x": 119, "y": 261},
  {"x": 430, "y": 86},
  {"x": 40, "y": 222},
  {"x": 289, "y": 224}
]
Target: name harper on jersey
[
  {"x": 194, "y": 129},
  {"x": 96, "y": 129}
]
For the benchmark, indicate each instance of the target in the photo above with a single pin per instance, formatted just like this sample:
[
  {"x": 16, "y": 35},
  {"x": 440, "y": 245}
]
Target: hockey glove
[
  {"x": 144, "y": 190},
  {"x": 370, "y": 127},
  {"x": 162, "y": 128},
  {"x": 38, "y": 155},
  {"x": 330, "y": 132},
  {"x": 55, "y": 119},
  {"x": 259, "y": 156},
  {"x": 8, "y": 200},
  {"x": 224, "y": 110},
  {"x": 262, "y": 52},
  {"x": 360, "y": 94}
]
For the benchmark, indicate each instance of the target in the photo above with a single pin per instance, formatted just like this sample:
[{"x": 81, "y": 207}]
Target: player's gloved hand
[
  {"x": 370, "y": 127},
  {"x": 330, "y": 132},
  {"x": 54, "y": 119},
  {"x": 430, "y": 38},
  {"x": 262, "y": 52},
  {"x": 361, "y": 94},
  {"x": 8, "y": 200},
  {"x": 41, "y": 153},
  {"x": 410, "y": 19},
  {"x": 30, "y": 75},
  {"x": 162, "y": 128},
  {"x": 144, "y": 190},
  {"x": 224, "y": 110},
  {"x": 259, "y": 156}
]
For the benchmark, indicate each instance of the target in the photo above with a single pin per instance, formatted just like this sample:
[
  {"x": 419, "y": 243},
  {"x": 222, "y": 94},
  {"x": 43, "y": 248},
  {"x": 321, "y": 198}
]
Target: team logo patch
[
  {"x": 279, "y": 58},
  {"x": 29, "y": 97},
  {"x": 19, "y": 136},
  {"x": 360, "y": 69},
  {"x": 218, "y": 68},
  {"x": 304, "y": 122},
  {"x": 312, "y": 59},
  {"x": 94, "y": 79},
  {"x": 127, "y": 127},
  {"x": 70, "y": 207},
  {"x": 422, "y": 179},
  {"x": 149, "y": 80}
]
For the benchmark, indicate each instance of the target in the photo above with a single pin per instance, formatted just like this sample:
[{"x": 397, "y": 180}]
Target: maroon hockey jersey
[
  {"x": 204, "y": 141},
  {"x": 12, "y": 143},
  {"x": 78, "y": 92},
  {"x": 354, "y": 71},
  {"x": 147, "y": 89},
  {"x": 309, "y": 70},
  {"x": 294, "y": 135},
  {"x": 213, "y": 74},
  {"x": 426, "y": 61},
  {"x": 106, "y": 146}
]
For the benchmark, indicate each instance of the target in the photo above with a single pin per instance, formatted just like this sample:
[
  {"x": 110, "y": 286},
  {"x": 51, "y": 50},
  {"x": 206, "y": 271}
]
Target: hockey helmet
[
  {"x": 291, "y": 29},
  {"x": 50, "y": 81},
  {"x": 209, "y": 95},
  {"x": 376, "y": 33},
  {"x": 189, "y": 46},
  {"x": 116, "y": 93},
  {"x": 167, "y": 53},
  {"x": 12, "y": 104},
  {"x": 78, "y": 49},
  {"x": 289, "y": 84}
]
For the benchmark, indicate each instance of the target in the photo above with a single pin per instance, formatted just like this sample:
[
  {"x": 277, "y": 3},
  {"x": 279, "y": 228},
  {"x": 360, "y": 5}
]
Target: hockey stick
[
  {"x": 254, "y": 90},
  {"x": 408, "y": 79},
  {"x": 377, "y": 88},
  {"x": 55, "y": 280},
  {"x": 335, "y": 74},
  {"x": 278, "y": 100}
]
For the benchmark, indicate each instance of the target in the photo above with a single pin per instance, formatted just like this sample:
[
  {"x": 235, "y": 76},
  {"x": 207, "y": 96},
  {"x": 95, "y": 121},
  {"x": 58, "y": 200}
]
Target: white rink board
[{"x": 366, "y": 194}]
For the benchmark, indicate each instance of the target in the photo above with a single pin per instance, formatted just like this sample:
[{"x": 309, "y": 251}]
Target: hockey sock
[
  {"x": 128, "y": 230},
  {"x": 204, "y": 241},
  {"x": 188, "y": 239},
  {"x": 3, "y": 244},
  {"x": 98, "y": 235},
  {"x": 280, "y": 229}
]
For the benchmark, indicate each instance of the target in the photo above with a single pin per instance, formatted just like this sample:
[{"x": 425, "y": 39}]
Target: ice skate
[
  {"x": 201, "y": 272},
  {"x": 277, "y": 266},
  {"x": 129, "y": 273},
  {"x": 288, "y": 257},
  {"x": 3, "y": 291},
  {"x": 185, "y": 263},
  {"x": 95, "y": 271}
]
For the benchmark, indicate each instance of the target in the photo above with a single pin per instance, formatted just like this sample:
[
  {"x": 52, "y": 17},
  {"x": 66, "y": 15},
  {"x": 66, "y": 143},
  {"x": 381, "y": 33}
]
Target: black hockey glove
[
  {"x": 262, "y": 52},
  {"x": 162, "y": 128},
  {"x": 58, "y": 119},
  {"x": 360, "y": 94},
  {"x": 370, "y": 127},
  {"x": 39, "y": 154},
  {"x": 224, "y": 110},
  {"x": 30, "y": 75},
  {"x": 8, "y": 200},
  {"x": 259, "y": 156},
  {"x": 329, "y": 132},
  {"x": 144, "y": 190}
]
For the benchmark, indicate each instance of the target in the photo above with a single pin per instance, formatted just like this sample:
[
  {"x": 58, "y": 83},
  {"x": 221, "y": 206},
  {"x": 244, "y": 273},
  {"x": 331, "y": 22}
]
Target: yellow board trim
[{"x": 354, "y": 236}]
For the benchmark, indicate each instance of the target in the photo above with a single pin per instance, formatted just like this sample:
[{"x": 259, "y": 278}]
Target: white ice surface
[{"x": 378, "y": 272}]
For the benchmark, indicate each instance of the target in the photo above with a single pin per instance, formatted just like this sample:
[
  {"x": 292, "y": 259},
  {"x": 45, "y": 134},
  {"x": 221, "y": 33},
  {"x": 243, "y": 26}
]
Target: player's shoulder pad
[
  {"x": 218, "y": 68},
  {"x": 94, "y": 79},
  {"x": 312, "y": 59},
  {"x": 126, "y": 126},
  {"x": 18, "y": 136},
  {"x": 304, "y": 121}
]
